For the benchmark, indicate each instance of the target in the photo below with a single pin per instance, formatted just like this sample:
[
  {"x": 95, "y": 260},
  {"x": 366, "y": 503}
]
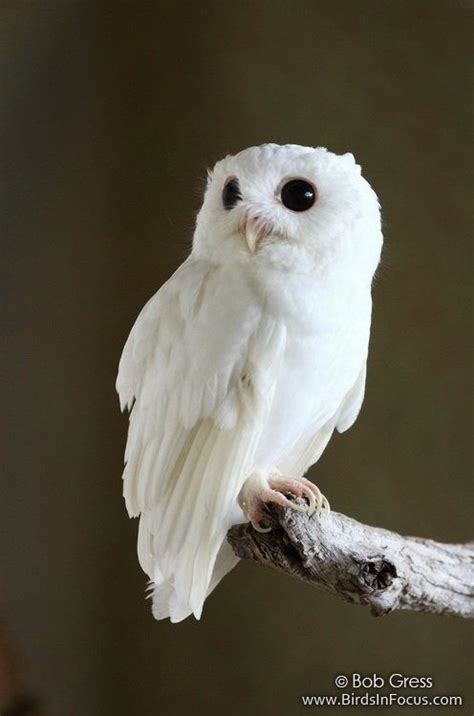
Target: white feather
[{"x": 242, "y": 362}]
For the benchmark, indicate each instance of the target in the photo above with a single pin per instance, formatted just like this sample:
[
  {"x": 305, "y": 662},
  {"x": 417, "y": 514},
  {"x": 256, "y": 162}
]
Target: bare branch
[{"x": 362, "y": 564}]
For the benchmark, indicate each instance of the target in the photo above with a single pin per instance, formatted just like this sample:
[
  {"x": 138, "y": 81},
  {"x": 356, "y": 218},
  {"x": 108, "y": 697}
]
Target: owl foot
[{"x": 265, "y": 487}]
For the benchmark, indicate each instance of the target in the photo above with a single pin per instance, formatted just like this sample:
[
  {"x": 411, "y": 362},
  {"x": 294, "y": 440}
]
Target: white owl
[{"x": 239, "y": 369}]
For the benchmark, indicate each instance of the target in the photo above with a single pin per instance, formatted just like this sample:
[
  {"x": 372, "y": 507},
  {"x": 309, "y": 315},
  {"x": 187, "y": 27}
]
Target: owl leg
[{"x": 264, "y": 487}]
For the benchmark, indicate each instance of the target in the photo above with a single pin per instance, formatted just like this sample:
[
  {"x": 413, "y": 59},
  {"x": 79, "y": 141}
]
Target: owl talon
[
  {"x": 259, "y": 528},
  {"x": 311, "y": 504},
  {"x": 271, "y": 487}
]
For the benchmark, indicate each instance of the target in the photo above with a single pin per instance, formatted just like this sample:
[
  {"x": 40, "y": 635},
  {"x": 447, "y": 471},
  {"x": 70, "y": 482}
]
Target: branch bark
[{"x": 362, "y": 564}]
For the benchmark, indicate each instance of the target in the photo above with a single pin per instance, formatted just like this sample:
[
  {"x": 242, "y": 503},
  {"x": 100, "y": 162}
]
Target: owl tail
[
  {"x": 182, "y": 539},
  {"x": 162, "y": 594}
]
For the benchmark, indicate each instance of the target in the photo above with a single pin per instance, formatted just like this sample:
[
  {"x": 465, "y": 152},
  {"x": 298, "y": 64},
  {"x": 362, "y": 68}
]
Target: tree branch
[{"x": 362, "y": 564}]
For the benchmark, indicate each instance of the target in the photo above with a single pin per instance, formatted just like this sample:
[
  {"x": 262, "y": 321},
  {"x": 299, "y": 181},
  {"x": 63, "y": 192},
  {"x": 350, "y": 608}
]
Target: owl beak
[{"x": 255, "y": 231}]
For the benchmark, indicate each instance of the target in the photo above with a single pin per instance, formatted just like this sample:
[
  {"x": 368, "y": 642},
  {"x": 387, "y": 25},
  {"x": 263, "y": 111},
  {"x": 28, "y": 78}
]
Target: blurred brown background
[{"x": 111, "y": 112}]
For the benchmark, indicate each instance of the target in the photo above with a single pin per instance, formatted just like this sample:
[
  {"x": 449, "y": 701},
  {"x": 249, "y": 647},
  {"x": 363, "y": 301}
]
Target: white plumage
[{"x": 247, "y": 358}]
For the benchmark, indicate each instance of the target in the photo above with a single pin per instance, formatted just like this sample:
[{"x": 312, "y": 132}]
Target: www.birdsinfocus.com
[{"x": 242, "y": 365}]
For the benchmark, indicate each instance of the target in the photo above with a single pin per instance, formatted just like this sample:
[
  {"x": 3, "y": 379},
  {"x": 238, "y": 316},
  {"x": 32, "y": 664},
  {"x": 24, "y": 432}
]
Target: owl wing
[
  {"x": 197, "y": 372},
  {"x": 309, "y": 448},
  {"x": 352, "y": 403}
]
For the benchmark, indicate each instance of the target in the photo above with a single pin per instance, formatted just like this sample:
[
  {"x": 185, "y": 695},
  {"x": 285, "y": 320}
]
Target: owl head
[{"x": 291, "y": 207}]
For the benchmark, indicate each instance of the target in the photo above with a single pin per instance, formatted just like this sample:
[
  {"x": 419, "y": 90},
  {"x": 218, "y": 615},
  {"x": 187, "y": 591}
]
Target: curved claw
[
  {"x": 312, "y": 502},
  {"x": 263, "y": 530},
  {"x": 283, "y": 501},
  {"x": 321, "y": 501}
]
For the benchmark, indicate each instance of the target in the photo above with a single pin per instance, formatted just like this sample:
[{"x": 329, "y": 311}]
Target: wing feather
[
  {"x": 353, "y": 402},
  {"x": 309, "y": 448},
  {"x": 197, "y": 413}
]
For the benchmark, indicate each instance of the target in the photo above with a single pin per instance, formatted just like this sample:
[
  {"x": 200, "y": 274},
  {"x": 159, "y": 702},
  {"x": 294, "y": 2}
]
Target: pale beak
[{"x": 254, "y": 232}]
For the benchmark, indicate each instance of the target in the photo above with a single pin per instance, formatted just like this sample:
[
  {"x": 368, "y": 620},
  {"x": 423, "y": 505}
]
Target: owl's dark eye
[
  {"x": 231, "y": 193},
  {"x": 298, "y": 195}
]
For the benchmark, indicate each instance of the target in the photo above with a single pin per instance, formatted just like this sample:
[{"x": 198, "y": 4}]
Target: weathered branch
[{"x": 362, "y": 564}]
